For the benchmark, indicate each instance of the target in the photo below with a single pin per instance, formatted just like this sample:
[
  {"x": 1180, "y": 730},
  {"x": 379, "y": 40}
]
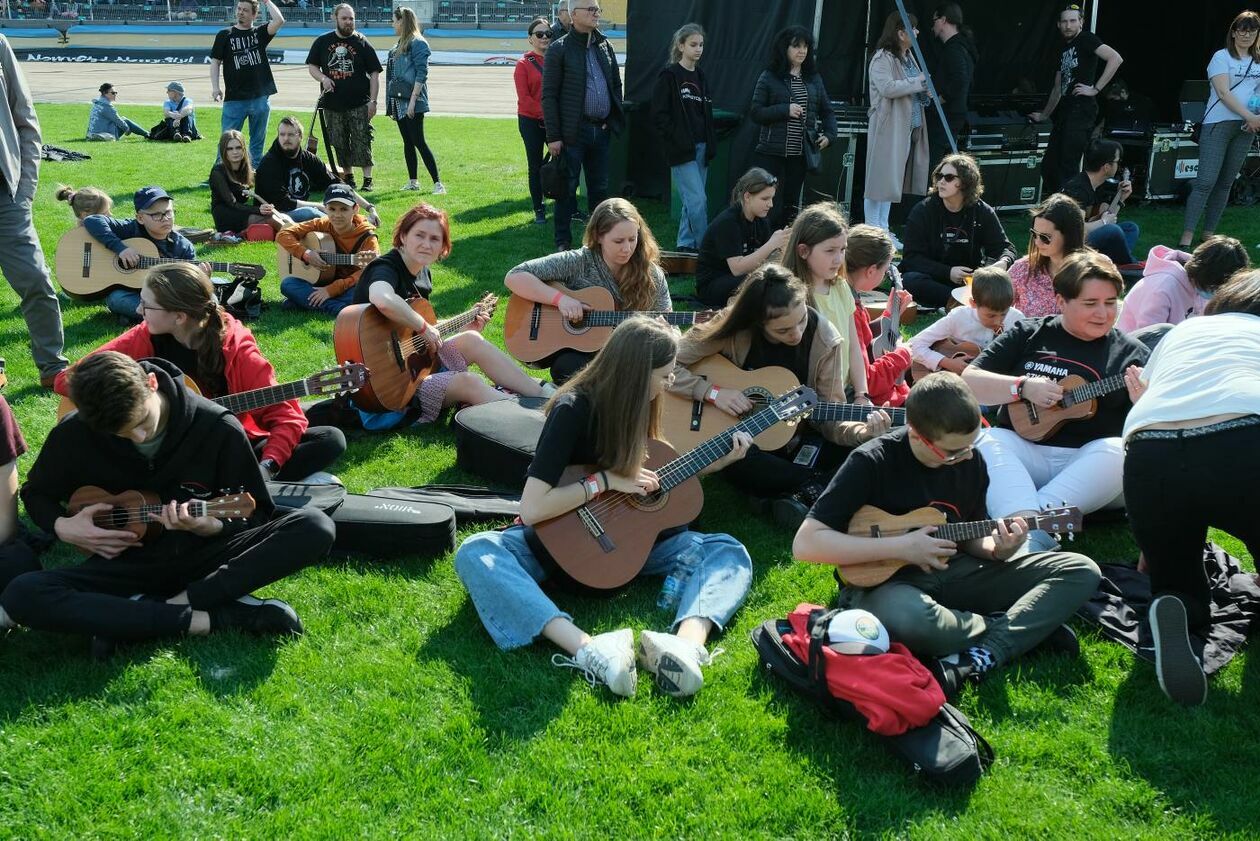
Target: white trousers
[{"x": 1024, "y": 476}]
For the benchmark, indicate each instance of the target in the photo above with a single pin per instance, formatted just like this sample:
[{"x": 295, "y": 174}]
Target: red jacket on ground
[{"x": 245, "y": 369}]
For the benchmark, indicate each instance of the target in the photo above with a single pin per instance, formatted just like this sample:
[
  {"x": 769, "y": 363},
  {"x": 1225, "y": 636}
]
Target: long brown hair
[
  {"x": 410, "y": 30},
  {"x": 85, "y": 201},
  {"x": 768, "y": 292},
  {"x": 183, "y": 287},
  {"x": 868, "y": 246},
  {"x": 1246, "y": 17},
  {"x": 244, "y": 173},
  {"x": 637, "y": 282},
  {"x": 616, "y": 382},
  {"x": 1065, "y": 214},
  {"x": 888, "y": 37},
  {"x": 816, "y": 223}
]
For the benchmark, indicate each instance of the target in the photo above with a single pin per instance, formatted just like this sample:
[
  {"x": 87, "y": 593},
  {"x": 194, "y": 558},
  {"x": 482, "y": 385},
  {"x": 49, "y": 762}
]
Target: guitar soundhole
[
  {"x": 652, "y": 502},
  {"x": 758, "y": 395},
  {"x": 575, "y": 329}
]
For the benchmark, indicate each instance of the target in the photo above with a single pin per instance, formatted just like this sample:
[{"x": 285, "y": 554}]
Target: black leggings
[
  {"x": 566, "y": 363},
  {"x": 412, "y": 131},
  {"x": 534, "y": 135},
  {"x": 317, "y": 449},
  {"x": 16, "y": 558},
  {"x": 787, "y": 198},
  {"x": 94, "y": 598},
  {"x": 927, "y": 290},
  {"x": 771, "y": 474}
]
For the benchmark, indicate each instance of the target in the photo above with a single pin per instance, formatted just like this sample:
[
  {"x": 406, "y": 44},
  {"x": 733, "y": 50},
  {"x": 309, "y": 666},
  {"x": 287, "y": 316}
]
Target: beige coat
[
  {"x": 826, "y": 355},
  {"x": 896, "y": 158}
]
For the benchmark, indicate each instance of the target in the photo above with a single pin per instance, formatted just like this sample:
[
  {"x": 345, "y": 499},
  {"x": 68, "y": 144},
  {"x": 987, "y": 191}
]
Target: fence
[{"x": 467, "y": 12}]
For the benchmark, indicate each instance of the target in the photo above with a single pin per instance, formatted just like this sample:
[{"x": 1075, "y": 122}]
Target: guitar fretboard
[
  {"x": 226, "y": 268},
  {"x": 958, "y": 532},
  {"x": 681, "y": 469},
  {"x": 854, "y": 412},
  {"x": 247, "y": 401},
  {"x": 143, "y": 513},
  {"x": 455, "y": 324},
  {"x": 611, "y": 318},
  {"x": 1092, "y": 391},
  {"x": 336, "y": 258}
]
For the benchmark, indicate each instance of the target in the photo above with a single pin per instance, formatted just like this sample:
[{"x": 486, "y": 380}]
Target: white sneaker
[
  {"x": 608, "y": 659},
  {"x": 411, "y": 185},
  {"x": 439, "y": 189},
  {"x": 319, "y": 477},
  {"x": 896, "y": 242},
  {"x": 674, "y": 662}
]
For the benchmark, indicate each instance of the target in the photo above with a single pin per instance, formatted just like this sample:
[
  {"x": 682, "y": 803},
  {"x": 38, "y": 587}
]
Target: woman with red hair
[{"x": 422, "y": 237}]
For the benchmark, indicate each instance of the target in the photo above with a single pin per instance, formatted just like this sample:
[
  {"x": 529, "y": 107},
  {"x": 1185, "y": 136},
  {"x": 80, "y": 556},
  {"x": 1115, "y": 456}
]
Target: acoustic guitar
[
  {"x": 686, "y": 422},
  {"x": 398, "y": 357},
  {"x": 533, "y": 331},
  {"x": 604, "y": 543},
  {"x": 87, "y": 269},
  {"x": 323, "y": 245},
  {"x": 1079, "y": 402},
  {"x": 678, "y": 262},
  {"x": 950, "y": 349},
  {"x": 875, "y": 303},
  {"x": 870, "y": 521},
  {"x": 344, "y": 379},
  {"x": 134, "y": 511}
]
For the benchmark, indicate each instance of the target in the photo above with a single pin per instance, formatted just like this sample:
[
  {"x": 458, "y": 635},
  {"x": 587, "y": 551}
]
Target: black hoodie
[
  {"x": 204, "y": 454},
  {"x": 284, "y": 180},
  {"x": 937, "y": 240},
  {"x": 957, "y": 71}
]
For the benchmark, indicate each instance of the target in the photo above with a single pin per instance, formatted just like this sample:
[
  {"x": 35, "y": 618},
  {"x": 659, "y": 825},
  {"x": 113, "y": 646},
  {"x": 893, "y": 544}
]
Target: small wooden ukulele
[
  {"x": 950, "y": 349},
  {"x": 134, "y": 511},
  {"x": 1079, "y": 402}
]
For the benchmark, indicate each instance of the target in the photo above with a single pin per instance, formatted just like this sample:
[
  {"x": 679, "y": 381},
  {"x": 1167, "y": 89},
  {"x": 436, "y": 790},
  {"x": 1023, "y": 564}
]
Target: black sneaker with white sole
[
  {"x": 250, "y": 615},
  {"x": 1178, "y": 669}
]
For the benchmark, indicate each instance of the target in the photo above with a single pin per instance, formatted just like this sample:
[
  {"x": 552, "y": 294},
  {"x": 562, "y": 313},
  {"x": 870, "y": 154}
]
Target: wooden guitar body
[
  {"x": 687, "y": 423},
  {"x": 363, "y": 334},
  {"x": 533, "y": 331},
  {"x": 950, "y": 349},
  {"x": 87, "y": 269},
  {"x": 606, "y": 542},
  {"x": 1037, "y": 423},
  {"x": 678, "y": 262},
  {"x": 870, "y": 521},
  {"x": 123, "y": 517},
  {"x": 290, "y": 266}
]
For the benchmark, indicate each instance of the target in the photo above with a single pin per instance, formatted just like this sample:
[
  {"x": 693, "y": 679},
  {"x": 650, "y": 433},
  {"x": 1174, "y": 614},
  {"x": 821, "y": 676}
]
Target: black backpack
[{"x": 946, "y": 751}]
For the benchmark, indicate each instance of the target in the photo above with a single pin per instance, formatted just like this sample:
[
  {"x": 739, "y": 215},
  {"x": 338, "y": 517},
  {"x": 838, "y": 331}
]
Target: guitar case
[
  {"x": 471, "y": 504},
  {"x": 497, "y": 440}
]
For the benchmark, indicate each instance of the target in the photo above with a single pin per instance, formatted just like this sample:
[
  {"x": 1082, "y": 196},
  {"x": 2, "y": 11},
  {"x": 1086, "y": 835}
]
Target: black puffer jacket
[
  {"x": 770, "y": 102},
  {"x": 564, "y": 85}
]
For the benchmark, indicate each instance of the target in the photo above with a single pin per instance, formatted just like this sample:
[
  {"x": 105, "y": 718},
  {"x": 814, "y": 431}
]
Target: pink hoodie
[{"x": 1164, "y": 295}]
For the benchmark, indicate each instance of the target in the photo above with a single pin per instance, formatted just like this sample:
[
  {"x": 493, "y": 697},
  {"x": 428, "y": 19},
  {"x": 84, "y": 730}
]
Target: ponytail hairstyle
[
  {"x": 680, "y": 37},
  {"x": 637, "y": 282},
  {"x": 753, "y": 181},
  {"x": 85, "y": 201},
  {"x": 816, "y": 223},
  {"x": 868, "y": 246},
  {"x": 768, "y": 292},
  {"x": 617, "y": 382},
  {"x": 184, "y": 288}
]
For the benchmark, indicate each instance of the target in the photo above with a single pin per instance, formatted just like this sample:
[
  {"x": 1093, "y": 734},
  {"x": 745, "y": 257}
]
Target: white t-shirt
[
  {"x": 961, "y": 324},
  {"x": 1234, "y": 70},
  {"x": 1203, "y": 367}
]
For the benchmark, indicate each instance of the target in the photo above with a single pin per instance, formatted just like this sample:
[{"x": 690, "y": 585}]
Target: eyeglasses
[
  {"x": 160, "y": 217},
  {"x": 1044, "y": 239},
  {"x": 542, "y": 33},
  {"x": 947, "y": 177},
  {"x": 1245, "y": 30},
  {"x": 947, "y": 456},
  {"x": 595, "y": 10},
  {"x": 145, "y": 308}
]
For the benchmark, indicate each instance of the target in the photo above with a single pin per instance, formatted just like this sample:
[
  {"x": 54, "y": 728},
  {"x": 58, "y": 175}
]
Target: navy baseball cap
[
  {"x": 146, "y": 196},
  {"x": 341, "y": 193}
]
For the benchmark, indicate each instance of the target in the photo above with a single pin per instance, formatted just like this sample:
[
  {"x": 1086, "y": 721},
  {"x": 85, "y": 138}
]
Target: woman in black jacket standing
[
  {"x": 683, "y": 115},
  {"x": 951, "y": 233},
  {"x": 797, "y": 123}
]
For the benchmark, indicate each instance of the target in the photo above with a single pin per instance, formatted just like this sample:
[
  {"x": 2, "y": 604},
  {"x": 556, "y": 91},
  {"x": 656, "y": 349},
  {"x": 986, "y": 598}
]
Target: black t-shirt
[
  {"x": 1079, "y": 65},
  {"x": 12, "y": 444},
  {"x": 243, "y": 53},
  {"x": 884, "y": 472},
  {"x": 166, "y": 346},
  {"x": 1041, "y": 347},
  {"x": 763, "y": 352},
  {"x": 692, "y": 94},
  {"x": 1081, "y": 190},
  {"x": 390, "y": 268},
  {"x": 347, "y": 61},
  {"x": 568, "y": 437},
  {"x": 728, "y": 235}
]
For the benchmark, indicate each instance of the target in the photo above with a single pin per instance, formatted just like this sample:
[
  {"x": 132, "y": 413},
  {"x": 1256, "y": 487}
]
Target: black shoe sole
[
  {"x": 788, "y": 513},
  {"x": 1178, "y": 670}
]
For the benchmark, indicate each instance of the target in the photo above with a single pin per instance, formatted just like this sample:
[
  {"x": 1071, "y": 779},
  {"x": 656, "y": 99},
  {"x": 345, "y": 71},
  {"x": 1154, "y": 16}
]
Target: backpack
[{"x": 241, "y": 297}]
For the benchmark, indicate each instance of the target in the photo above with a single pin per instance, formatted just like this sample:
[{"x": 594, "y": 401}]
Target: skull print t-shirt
[{"x": 348, "y": 62}]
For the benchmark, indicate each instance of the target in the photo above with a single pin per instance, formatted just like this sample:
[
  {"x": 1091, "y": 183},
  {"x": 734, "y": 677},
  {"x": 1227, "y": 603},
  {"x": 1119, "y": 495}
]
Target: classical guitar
[
  {"x": 604, "y": 543},
  {"x": 398, "y": 356},
  {"x": 533, "y": 331},
  {"x": 686, "y": 422},
  {"x": 870, "y": 521},
  {"x": 875, "y": 304},
  {"x": 87, "y": 269},
  {"x": 134, "y": 511},
  {"x": 950, "y": 349},
  {"x": 322, "y": 244},
  {"x": 1079, "y": 402},
  {"x": 344, "y": 379}
]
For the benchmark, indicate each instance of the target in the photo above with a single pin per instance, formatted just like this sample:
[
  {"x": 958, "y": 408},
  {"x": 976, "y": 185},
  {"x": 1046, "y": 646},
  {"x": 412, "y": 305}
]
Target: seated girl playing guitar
[
  {"x": 768, "y": 322},
  {"x": 604, "y": 416},
  {"x": 185, "y": 325},
  {"x": 421, "y": 238}
]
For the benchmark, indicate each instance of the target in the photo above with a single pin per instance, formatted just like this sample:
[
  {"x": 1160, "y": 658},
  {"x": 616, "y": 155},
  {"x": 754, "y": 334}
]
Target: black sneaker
[
  {"x": 952, "y": 676},
  {"x": 250, "y": 615},
  {"x": 367, "y": 185},
  {"x": 1062, "y": 640},
  {"x": 1180, "y": 675},
  {"x": 580, "y": 217},
  {"x": 788, "y": 512},
  {"x": 349, "y": 181},
  {"x": 540, "y": 217}
]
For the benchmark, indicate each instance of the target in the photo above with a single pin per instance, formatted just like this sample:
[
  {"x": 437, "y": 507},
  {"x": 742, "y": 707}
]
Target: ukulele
[
  {"x": 950, "y": 349},
  {"x": 534, "y": 331},
  {"x": 605, "y": 542},
  {"x": 134, "y": 511},
  {"x": 398, "y": 357},
  {"x": 343, "y": 379},
  {"x": 1079, "y": 402},
  {"x": 323, "y": 245},
  {"x": 1103, "y": 208},
  {"x": 87, "y": 269},
  {"x": 886, "y": 329},
  {"x": 870, "y": 521},
  {"x": 686, "y": 422}
]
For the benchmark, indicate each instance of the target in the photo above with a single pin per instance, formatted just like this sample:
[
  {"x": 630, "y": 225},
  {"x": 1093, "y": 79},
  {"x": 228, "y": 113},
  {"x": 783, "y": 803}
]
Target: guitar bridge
[
  {"x": 591, "y": 523},
  {"x": 395, "y": 350},
  {"x": 697, "y": 415},
  {"x": 1033, "y": 416},
  {"x": 535, "y": 321}
]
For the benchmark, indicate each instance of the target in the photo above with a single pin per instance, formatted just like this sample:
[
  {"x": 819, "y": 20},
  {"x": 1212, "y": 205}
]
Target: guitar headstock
[
  {"x": 348, "y": 377},
  {"x": 1060, "y": 522},
  {"x": 235, "y": 506},
  {"x": 362, "y": 258},
  {"x": 894, "y": 275},
  {"x": 487, "y": 305},
  {"x": 794, "y": 404},
  {"x": 251, "y": 271}
]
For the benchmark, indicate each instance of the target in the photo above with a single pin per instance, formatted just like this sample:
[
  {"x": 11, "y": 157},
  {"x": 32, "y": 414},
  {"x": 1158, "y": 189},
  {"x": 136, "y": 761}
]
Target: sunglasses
[
  {"x": 947, "y": 177},
  {"x": 1044, "y": 239},
  {"x": 542, "y": 33}
]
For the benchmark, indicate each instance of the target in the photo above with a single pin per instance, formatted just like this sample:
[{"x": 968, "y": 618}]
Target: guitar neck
[
  {"x": 611, "y": 318},
  {"x": 979, "y": 528},
  {"x": 336, "y": 258},
  {"x": 853, "y": 412},
  {"x": 247, "y": 401},
  {"x": 225, "y": 268},
  {"x": 1092, "y": 391},
  {"x": 685, "y": 466},
  {"x": 455, "y": 324}
]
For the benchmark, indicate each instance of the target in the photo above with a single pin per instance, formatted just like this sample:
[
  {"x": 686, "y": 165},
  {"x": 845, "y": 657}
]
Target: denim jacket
[
  {"x": 402, "y": 73},
  {"x": 104, "y": 117}
]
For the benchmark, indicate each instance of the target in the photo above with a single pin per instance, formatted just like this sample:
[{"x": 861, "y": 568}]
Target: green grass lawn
[{"x": 396, "y": 716}]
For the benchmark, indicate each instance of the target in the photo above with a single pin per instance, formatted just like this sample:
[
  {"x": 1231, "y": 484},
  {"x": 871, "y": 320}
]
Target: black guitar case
[{"x": 497, "y": 440}]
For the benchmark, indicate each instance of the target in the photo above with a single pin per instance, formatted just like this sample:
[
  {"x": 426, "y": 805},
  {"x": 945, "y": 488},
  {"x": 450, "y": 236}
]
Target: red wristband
[
  {"x": 591, "y": 485},
  {"x": 555, "y": 302},
  {"x": 711, "y": 397}
]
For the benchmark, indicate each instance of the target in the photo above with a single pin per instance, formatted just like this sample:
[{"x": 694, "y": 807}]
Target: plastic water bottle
[{"x": 671, "y": 591}]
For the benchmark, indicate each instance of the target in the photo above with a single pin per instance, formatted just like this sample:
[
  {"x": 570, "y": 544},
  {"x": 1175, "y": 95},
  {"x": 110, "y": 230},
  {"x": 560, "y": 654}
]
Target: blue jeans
[
  {"x": 188, "y": 125},
  {"x": 298, "y": 291},
  {"x": 258, "y": 110},
  {"x": 23, "y": 266},
  {"x": 305, "y": 214},
  {"x": 1116, "y": 241},
  {"x": 502, "y": 576},
  {"x": 132, "y": 128},
  {"x": 690, "y": 179},
  {"x": 590, "y": 153},
  {"x": 124, "y": 302}
]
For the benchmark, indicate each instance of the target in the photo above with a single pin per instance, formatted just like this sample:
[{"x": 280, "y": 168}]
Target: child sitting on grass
[{"x": 987, "y": 314}]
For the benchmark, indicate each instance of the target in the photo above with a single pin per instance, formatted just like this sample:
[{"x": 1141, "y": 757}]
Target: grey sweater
[{"x": 583, "y": 267}]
